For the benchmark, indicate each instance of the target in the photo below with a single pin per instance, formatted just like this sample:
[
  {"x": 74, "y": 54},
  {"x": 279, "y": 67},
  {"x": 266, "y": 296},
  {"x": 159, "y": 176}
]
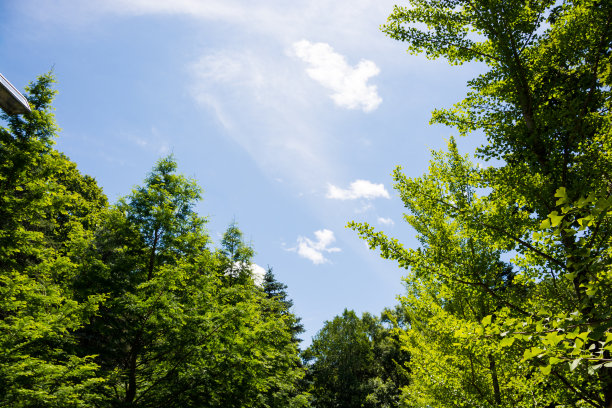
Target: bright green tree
[
  {"x": 522, "y": 271},
  {"x": 44, "y": 200}
]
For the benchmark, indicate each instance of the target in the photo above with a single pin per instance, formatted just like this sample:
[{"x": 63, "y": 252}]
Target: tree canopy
[
  {"x": 508, "y": 299},
  {"x": 507, "y": 296},
  {"x": 127, "y": 304}
]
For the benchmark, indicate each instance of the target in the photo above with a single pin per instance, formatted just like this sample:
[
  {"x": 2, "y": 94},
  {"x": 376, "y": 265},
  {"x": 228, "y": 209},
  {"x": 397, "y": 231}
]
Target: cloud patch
[
  {"x": 315, "y": 250},
  {"x": 330, "y": 69},
  {"x": 258, "y": 274},
  {"x": 357, "y": 189},
  {"x": 385, "y": 221}
]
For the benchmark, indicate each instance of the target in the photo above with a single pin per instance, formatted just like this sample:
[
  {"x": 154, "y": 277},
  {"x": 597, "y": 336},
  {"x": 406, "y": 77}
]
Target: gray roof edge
[{"x": 5, "y": 82}]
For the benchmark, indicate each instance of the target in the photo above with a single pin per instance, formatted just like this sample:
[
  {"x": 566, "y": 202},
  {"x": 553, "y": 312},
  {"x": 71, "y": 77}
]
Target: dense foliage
[
  {"x": 509, "y": 296},
  {"x": 128, "y": 305},
  {"x": 355, "y": 362},
  {"x": 508, "y": 299}
]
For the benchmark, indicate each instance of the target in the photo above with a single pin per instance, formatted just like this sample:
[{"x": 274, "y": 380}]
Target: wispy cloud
[
  {"x": 357, "y": 189},
  {"x": 365, "y": 207},
  {"x": 330, "y": 69},
  {"x": 340, "y": 19},
  {"x": 262, "y": 106},
  {"x": 247, "y": 82},
  {"x": 315, "y": 250},
  {"x": 385, "y": 221},
  {"x": 154, "y": 141}
]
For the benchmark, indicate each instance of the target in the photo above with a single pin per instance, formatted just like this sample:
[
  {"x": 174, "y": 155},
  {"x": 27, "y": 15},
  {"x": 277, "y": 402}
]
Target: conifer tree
[
  {"x": 45, "y": 202},
  {"x": 276, "y": 291}
]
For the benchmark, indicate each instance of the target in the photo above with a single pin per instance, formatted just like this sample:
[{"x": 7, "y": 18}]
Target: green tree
[
  {"x": 44, "y": 200},
  {"x": 342, "y": 358},
  {"x": 277, "y": 291},
  {"x": 523, "y": 269},
  {"x": 235, "y": 256},
  {"x": 162, "y": 210},
  {"x": 149, "y": 256},
  {"x": 177, "y": 328},
  {"x": 277, "y": 305},
  {"x": 456, "y": 284},
  {"x": 355, "y": 362}
]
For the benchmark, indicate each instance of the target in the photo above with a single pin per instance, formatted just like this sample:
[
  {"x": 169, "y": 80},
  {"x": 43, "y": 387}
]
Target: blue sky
[{"x": 290, "y": 115}]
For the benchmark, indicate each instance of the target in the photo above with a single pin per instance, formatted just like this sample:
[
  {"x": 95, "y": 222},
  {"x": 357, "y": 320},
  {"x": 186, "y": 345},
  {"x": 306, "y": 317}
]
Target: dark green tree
[
  {"x": 183, "y": 325},
  {"x": 355, "y": 362},
  {"x": 277, "y": 291},
  {"x": 149, "y": 256}
]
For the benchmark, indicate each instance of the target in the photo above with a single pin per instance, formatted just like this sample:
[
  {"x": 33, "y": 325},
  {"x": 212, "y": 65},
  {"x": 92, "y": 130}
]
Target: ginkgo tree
[{"x": 515, "y": 255}]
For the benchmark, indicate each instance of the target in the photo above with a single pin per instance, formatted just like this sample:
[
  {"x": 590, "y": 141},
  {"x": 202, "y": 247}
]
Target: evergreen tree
[
  {"x": 276, "y": 291},
  {"x": 236, "y": 256},
  {"x": 45, "y": 202}
]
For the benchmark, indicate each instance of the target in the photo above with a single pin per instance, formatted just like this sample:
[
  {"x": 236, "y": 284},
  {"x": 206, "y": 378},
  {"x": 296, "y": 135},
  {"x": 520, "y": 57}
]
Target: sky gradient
[{"x": 290, "y": 115}]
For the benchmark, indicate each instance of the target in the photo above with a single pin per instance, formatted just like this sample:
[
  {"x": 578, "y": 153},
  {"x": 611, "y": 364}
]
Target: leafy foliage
[
  {"x": 127, "y": 305},
  {"x": 44, "y": 199},
  {"x": 355, "y": 362},
  {"x": 508, "y": 295}
]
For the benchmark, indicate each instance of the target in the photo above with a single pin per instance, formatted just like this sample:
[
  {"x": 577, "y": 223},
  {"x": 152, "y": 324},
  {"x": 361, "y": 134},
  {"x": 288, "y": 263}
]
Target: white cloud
[
  {"x": 258, "y": 274},
  {"x": 358, "y": 189},
  {"x": 330, "y": 69},
  {"x": 315, "y": 250},
  {"x": 385, "y": 221}
]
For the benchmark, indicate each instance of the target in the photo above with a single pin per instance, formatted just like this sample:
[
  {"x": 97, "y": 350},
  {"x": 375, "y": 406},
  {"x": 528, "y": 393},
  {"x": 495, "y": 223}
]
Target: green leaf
[
  {"x": 561, "y": 192},
  {"x": 562, "y": 195},
  {"x": 532, "y": 352},
  {"x": 555, "y": 218},
  {"x": 593, "y": 368},
  {"x": 507, "y": 342},
  {"x": 574, "y": 364},
  {"x": 487, "y": 320}
]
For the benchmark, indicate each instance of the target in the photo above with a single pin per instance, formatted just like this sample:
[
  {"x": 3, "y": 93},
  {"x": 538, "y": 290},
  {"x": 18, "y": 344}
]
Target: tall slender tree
[{"x": 44, "y": 201}]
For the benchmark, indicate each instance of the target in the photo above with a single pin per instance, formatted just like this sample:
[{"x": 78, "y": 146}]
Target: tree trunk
[
  {"x": 130, "y": 393},
  {"x": 605, "y": 376},
  {"x": 496, "y": 391}
]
